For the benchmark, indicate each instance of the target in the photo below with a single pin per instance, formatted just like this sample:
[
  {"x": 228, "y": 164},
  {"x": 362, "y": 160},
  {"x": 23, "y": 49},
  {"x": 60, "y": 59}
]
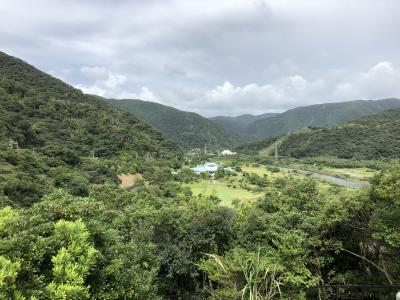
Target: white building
[{"x": 227, "y": 152}]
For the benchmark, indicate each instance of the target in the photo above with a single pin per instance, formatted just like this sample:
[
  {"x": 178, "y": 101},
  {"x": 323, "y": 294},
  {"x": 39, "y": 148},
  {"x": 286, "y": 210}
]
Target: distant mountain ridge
[
  {"x": 188, "y": 129},
  {"x": 324, "y": 115},
  {"x": 239, "y": 124},
  {"x": 318, "y": 115},
  {"x": 43, "y": 113},
  {"x": 371, "y": 137}
]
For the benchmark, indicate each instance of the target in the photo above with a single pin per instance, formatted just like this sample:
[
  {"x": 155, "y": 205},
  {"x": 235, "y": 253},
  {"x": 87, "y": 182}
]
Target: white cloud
[
  {"x": 114, "y": 80},
  {"x": 103, "y": 82},
  {"x": 92, "y": 89},
  {"x": 95, "y": 72},
  {"x": 380, "y": 81},
  {"x": 144, "y": 94},
  {"x": 217, "y": 57}
]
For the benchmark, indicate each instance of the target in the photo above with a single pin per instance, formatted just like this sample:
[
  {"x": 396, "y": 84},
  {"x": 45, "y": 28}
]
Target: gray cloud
[{"x": 213, "y": 57}]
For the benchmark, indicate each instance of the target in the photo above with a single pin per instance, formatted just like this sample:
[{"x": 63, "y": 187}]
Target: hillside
[
  {"x": 319, "y": 115},
  {"x": 188, "y": 129},
  {"x": 43, "y": 113},
  {"x": 371, "y": 137},
  {"x": 239, "y": 124}
]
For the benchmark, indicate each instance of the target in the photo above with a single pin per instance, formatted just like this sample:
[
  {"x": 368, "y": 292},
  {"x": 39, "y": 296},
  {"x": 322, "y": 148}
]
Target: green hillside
[
  {"x": 319, "y": 115},
  {"x": 239, "y": 124},
  {"x": 188, "y": 129},
  {"x": 54, "y": 136},
  {"x": 371, "y": 137},
  {"x": 42, "y": 112}
]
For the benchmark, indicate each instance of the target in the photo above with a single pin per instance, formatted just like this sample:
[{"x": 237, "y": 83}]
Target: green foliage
[
  {"x": 41, "y": 112},
  {"x": 372, "y": 137},
  {"x": 67, "y": 231},
  {"x": 188, "y": 129},
  {"x": 242, "y": 274},
  {"x": 319, "y": 115},
  {"x": 73, "y": 261},
  {"x": 385, "y": 194},
  {"x": 71, "y": 180},
  {"x": 255, "y": 147},
  {"x": 239, "y": 124},
  {"x": 186, "y": 175},
  {"x": 8, "y": 273}
]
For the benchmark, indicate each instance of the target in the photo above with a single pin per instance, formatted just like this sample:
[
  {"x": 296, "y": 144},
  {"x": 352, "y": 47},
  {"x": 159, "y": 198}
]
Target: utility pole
[
  {"x": 276, "y": 151},
  {"x": 13, "y": 143},
  {"x": 205, "y": 149}
]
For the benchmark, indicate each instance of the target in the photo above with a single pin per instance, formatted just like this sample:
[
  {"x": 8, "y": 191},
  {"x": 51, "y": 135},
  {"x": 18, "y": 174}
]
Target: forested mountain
[
  {"x": 68, "y": 231},
  {"x": 371, "y": 137},
  {"x": 43, "y": 113},
  {"x": 189, "y": 129},
  {"x": 319, "y": 115},
  {"x": 54, "y": 136},
  {"x": 239, "y": 124}
]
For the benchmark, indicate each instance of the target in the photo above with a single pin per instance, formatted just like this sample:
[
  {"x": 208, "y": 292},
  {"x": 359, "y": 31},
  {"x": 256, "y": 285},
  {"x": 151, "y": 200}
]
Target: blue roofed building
[{"x": 208, "y": 167}]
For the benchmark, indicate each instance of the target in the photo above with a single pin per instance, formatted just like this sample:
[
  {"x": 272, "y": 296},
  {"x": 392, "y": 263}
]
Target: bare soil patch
[{"x": 128, "y": 180}]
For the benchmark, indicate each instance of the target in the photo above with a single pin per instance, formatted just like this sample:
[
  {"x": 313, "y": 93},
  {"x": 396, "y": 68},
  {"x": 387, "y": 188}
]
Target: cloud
[
  {"x": 174, "y": 70},
  {"x": 97, "y": 73},
  {"x": 103, "y": 82},
  {"x": 144, "y": 94},
  {"x": 379, "y": 81},
  {"x": 213, "y": 57}
]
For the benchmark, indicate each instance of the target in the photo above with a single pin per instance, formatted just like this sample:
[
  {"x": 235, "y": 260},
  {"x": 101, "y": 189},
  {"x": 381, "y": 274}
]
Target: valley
[{"x": 144, "y": 201}]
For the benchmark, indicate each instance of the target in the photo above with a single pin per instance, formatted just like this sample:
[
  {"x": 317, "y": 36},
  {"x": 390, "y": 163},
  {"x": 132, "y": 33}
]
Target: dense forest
[
  {"x": 319, "y": 115},
  {"x": 69, "y": 231},
  {"x": 43, "y": 113},
  {"x": 370, "y": 137},
  {"x": 239, "y": 124},
  {"x": 189, "y": 130}
]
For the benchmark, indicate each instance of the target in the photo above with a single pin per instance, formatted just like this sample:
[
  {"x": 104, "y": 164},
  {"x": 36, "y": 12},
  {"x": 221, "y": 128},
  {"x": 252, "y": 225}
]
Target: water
[{"x": 336, "y": 180}]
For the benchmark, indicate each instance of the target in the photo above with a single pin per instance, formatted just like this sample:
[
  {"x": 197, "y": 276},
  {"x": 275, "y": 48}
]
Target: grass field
[
  {"x": 355, "y": 173},
  {"x": 221, "y": 190},
  {"x": 227, "y": 194},
  {"x": 323, "y": 186}
]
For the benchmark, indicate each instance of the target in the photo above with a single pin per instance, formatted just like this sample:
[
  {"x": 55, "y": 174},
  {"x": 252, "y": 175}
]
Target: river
[{"x": 336, "y": 180}]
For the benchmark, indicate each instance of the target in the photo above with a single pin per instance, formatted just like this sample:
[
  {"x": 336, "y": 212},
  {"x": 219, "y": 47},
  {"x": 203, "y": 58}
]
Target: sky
[{"x": 213, "y": 57}]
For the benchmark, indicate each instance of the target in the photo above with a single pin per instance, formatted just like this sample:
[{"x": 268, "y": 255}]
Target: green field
[
  {"x": 355, "y": 173},
  {"x": 221, "y": 190}
]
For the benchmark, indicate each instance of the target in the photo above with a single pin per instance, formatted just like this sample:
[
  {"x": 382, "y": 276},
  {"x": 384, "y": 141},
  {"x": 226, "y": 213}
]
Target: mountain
[
  {"x": 238, "y": 124},
  {"x": 188, "y": 129},
  {"x": 42, "y": 113},
  {"x": 319, "y": 115},
  {"x": 371, "y": 137}
]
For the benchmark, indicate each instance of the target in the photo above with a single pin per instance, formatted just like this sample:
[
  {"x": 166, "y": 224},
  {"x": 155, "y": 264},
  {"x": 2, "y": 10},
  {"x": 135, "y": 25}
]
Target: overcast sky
[{"x": 213, "y": 57}]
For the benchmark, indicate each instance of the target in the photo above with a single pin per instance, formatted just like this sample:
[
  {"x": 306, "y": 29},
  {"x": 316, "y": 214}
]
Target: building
[
  {"x": 208, "y": 167},
  {"x": 228, "y": 152},
  {"x": 230, "y": 170}
]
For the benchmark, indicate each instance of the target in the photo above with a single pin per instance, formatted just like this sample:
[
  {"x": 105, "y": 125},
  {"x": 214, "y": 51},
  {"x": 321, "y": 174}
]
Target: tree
[
  {"x": 73, "y": 261},
  {"x": 8, "y": 274}
]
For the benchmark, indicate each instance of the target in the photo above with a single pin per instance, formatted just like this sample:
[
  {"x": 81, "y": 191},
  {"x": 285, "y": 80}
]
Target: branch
[{"x": 371, "y": 262}]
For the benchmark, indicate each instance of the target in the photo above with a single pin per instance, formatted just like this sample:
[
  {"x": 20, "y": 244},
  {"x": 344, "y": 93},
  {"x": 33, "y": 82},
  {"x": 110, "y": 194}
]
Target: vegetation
[
  {"x": 255, "y": 147},
  {"x": 69, "y": 231},
  {"x": 41, "y": 113},
  {"x": 372, "y": 137},
  {"x": 188, "y": 129},
  {"x": 319, "y": 115},
  {"x": 239, "y": 124}
]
